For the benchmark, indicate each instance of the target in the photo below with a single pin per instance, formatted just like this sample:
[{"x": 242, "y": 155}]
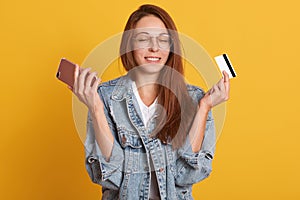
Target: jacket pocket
[
  {"x": 129, "y": 138},
  {"x": 134, "y": 150},
  {"x": 184, "y": 194}
]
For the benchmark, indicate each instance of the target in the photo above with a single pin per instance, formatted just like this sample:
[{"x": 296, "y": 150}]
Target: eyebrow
[{"x": 143, "y": 32}]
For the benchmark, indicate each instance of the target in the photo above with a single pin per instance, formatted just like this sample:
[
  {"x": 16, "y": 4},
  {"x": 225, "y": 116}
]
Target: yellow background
[{"x": 257, "y": 155}]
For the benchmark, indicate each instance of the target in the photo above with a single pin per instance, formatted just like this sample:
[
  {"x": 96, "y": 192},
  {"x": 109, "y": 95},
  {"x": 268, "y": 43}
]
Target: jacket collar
[{"x": 122, "y": 88}]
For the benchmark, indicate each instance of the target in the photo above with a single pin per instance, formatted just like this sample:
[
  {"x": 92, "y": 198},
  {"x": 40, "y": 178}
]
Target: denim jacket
[{"x": 127, "y": 173}]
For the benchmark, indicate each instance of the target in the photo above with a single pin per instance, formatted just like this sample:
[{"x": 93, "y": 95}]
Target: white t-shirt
[
  {"x": 147, "y": 114},
  {"x": 147, "y": 111}
]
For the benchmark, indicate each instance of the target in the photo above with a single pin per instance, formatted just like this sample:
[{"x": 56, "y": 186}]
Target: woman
[{"x": 149, "y": 134}]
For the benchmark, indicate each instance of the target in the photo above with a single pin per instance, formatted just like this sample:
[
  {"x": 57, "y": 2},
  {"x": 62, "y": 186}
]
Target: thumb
[{"x": 226, "y": 81}]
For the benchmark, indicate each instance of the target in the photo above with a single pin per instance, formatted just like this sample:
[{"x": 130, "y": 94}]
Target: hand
[
  {"x": 86, "y": 90},
  {"x": 217, "y": 94}
]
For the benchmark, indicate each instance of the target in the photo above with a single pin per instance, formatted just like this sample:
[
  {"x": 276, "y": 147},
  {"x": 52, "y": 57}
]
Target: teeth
[{"x": 152, "y": 58}]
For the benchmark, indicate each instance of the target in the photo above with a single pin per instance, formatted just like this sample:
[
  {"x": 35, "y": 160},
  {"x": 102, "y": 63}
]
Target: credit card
[{"x": 224, "y": 63}]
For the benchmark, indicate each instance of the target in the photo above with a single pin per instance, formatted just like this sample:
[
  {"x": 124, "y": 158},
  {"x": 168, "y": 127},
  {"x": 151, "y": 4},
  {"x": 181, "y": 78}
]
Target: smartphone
[{"x": 66, "y": 71}]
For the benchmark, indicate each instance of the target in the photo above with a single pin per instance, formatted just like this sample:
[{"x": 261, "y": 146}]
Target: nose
[{"x": 153, "y": 45}]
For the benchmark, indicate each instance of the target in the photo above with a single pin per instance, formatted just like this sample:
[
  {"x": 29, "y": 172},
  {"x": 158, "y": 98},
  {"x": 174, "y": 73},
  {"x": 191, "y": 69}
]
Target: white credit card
[{"x": 224, "y": 63}]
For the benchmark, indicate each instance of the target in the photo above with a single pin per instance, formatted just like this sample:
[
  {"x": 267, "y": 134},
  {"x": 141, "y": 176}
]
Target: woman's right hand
[{"x": 86, "y": 89}]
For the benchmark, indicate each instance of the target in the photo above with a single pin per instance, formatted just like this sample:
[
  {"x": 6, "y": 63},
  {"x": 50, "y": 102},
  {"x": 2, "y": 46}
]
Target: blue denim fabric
[{"x": 127, "y": 173}]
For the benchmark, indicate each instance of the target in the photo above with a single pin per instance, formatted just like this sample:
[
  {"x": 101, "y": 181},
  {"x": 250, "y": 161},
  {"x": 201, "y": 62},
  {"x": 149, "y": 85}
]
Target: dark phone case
[{"x": 66, "y": 71}]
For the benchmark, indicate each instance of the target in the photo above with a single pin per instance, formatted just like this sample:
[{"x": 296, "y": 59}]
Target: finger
[
  {"x": 222, "y": 88},
  {"x": 221, "y": 83},
  {"x": 81, "y": 69},
  {"x": 82, "y": 79},
  {"x": 76, "y": 74},
  {"x": 70, "y": 88},
  {"x": 216, "y": 88},
  {"x": 225, "y": 75},
  {"x": 81, "y": 84},
  {"x": 84, "y": 71},
  {"x": 95, "y": 84},
  {"x": 218, "y": 84},
  {"x": 90, "y": 79},
  {"x": 226, "y": 81},
  {"x": 211, "y": 90}
]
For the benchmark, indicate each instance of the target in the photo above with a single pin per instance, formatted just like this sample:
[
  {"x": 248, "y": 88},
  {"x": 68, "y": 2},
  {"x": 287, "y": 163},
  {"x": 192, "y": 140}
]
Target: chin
[{"x": 151, "y": 68}]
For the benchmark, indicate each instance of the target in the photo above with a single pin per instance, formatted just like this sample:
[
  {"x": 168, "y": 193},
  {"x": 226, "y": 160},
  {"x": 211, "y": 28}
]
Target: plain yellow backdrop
[{"x": 258, "y": 155}]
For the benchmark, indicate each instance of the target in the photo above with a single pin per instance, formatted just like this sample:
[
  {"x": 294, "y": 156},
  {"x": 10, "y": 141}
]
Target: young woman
[{"x": 149, "y": 134}]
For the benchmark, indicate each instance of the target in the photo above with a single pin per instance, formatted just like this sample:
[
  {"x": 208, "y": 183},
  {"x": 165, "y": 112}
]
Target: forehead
[{"x": 150, "y": 24}]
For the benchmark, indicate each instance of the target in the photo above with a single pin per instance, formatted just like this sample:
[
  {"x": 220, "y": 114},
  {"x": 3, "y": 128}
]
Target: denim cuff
[
  {"x": 195, "y": 159},
  {"x": 107, "y": 166}
]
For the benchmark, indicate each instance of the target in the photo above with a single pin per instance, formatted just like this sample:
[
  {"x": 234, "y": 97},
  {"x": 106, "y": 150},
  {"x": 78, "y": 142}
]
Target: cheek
[
  {"x": 138, "y": 53},
  {"x": 165, "y": 56}
]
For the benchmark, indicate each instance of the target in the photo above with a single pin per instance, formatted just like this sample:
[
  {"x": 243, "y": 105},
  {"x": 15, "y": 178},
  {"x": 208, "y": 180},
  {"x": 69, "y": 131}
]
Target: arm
[
  {"x": 87, "y": 94},
  {"x": 194, "y": 166},
  {"x": 218, "y": 94},
  {"x": 104, "y": 156},
  {"x": 102, "y": 170},
  {"x": 197, "y": 130},
  {"x": 195, "y": 157},
  {"x": 102, "y": 132}
]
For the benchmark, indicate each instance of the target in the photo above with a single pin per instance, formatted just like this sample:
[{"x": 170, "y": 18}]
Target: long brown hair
[{"x": 172, "y": 93}]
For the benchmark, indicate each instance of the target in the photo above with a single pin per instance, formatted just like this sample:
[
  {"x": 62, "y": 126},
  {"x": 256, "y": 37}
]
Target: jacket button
[
  {"x": 91, "y": 159},
  {"x": 124, "y": 139}
]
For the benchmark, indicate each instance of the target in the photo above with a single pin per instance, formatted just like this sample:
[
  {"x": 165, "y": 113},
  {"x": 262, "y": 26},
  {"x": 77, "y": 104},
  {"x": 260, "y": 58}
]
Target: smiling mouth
[{"x": 152, "y": 59}]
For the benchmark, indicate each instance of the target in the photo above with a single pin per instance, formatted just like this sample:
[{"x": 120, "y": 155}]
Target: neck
[{"x": 147, "y": 88}]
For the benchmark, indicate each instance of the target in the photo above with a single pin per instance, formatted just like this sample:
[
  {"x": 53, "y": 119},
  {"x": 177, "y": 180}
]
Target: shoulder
[
  {"x": 115, "y": 89},
  {"x": 111, "y": 83},
  {"x": 194, "y": 88},
  {"x": 105, "y": 89},
  {"x": 195, "y": 92}
]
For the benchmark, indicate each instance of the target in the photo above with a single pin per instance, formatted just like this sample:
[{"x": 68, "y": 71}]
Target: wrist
[
  {"x": 204, "y": 107},
  {"x": 96, "y": 109}
]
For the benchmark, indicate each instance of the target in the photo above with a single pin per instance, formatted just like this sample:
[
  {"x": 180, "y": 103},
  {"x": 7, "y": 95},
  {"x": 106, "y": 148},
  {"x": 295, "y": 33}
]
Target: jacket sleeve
[
  {"x": 194, "y": 167},
  {"x": 107, "y": 173}
]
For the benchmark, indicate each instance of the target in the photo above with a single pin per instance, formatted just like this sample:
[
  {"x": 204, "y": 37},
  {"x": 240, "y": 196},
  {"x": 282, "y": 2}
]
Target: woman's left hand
[{"x": 219, "y": 93}]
